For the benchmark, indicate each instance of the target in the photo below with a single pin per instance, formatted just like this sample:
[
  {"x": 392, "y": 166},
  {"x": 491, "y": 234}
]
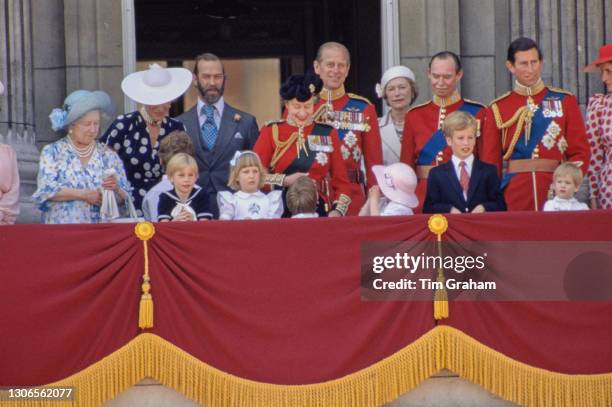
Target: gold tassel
[
  {"x": 440, "y": 298},
  {"x": 145, "y": 231},
  {"x": 438, "y": 225}
]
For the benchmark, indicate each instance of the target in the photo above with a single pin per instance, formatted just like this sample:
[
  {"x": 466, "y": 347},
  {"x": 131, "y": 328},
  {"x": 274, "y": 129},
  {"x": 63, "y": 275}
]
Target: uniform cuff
[{"x": 342, "y": 204}]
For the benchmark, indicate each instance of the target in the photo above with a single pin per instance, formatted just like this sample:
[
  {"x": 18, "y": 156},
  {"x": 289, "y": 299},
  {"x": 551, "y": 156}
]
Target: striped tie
[{"x": 464, "y": 178}]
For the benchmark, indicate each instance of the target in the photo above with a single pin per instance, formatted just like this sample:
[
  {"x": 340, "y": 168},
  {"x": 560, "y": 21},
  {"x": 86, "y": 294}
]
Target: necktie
[
  {"x": 464, "y": 178},
  {"x": 209, "y": 127}
]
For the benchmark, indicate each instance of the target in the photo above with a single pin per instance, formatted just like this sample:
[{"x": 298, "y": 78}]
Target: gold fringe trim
[
  {"x": 149, "y": 355},
  {"x": 443, "y": 347},
  {"x": 516, "y": 381}
]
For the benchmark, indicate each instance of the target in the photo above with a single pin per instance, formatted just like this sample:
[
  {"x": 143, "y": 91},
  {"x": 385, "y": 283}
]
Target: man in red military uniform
[
  {"x": 423, "y": 142},
  {"x": 538, "y": 128},
  {"x": 354, "y": 118}
]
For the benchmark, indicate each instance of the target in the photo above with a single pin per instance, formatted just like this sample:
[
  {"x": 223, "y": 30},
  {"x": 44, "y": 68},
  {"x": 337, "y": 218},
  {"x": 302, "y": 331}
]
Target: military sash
[
  {"x": 437, "y": 142},
  {"x": 304, "y": 161},
  {"x": 539, "y": 124}
]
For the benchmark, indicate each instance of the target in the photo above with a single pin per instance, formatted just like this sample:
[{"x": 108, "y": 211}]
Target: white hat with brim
[
  {"x": 156, "y": 85},
  {"x": 398, "y": 71},
  {"x": 78, "y": 104},
  {"x": 397, "y": 182}
]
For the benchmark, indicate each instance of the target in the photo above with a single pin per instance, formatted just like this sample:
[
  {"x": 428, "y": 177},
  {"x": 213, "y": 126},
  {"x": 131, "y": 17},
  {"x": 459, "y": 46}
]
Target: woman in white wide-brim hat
[
  {"x": 398, "y": 89},
  {"x": 135, "y": 136},
  {"x": 74, "y": 171}
]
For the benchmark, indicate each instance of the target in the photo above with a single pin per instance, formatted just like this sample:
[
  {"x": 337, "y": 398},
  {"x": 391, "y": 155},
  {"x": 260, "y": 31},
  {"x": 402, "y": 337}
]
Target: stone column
[
  {"x": 93, "y": 47},
  {"x": 569, "y": 32},
  {"x": 427, "y": 27},
  {"x": 17, "y": 126}
]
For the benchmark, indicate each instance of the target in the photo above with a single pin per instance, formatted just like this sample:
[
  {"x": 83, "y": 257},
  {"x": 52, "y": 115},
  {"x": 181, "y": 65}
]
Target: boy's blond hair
[
  {"x": 302, "y": 196},
  {"x": 569, "y": 169},
  {"x": 457, "y": 121},
  {"x": 179, "y": 162},
  {"x": 246, "y": 159}
]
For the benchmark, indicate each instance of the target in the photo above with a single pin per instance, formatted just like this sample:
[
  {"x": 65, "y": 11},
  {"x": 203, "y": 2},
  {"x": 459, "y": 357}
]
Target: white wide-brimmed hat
[
  {"x": 156, "y": 85},
  {"x": 1, "y": 89},
  {"x": 77, "y": 104},
  {"x": 398, "y": 71},
  {"x": 398, "y": 183}
]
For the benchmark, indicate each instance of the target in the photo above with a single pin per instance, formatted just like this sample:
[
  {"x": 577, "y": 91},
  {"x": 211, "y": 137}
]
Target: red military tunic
[
  {"x": 422, "y": 153},
  {"x": 556, "y": 133},
  {"x": 355, "y": 144},
  {"x": 319, "y": 156}
]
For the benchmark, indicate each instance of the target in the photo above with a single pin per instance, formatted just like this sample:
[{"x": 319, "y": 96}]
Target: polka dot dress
[
  {"x": 129, "y": 137},
  {"x": 599, "y": 132}
]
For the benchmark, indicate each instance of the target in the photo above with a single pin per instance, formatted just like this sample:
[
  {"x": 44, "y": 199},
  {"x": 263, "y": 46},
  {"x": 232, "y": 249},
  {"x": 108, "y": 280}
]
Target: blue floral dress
[
  {"x": 129, "y": 137},
  {"x": 61, "y": 168}
]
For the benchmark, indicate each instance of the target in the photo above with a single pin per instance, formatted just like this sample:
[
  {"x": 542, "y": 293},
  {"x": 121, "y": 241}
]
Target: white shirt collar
[
  {"x": 469, "y": 163},
  {"x": 219, "y": 106},
  {"x": 247, "y": 195}
]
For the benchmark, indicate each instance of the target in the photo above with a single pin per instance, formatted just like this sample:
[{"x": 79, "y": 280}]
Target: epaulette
[
  {"x": 421, "y": 105},
  {"x": 353, "y": 96},
  {"x": 559, "y": 90},
  {"x": 473, "y": 102},
  {"x": 270, "y": 122},
  {"x": 500, "y": 98}
]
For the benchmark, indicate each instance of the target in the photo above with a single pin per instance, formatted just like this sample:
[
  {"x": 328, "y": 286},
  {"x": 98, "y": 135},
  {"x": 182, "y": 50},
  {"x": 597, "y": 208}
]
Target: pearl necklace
[{"x": 82, "y": 152}]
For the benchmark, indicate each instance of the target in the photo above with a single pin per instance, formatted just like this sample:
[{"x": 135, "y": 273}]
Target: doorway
[{"x": 260, "y": 42}]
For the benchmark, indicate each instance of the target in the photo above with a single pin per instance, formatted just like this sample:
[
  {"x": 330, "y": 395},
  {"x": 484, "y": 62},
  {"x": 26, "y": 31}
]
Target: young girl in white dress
[
  {"x": 397, "y": 184},
  {"x": 247, "y": 177}
]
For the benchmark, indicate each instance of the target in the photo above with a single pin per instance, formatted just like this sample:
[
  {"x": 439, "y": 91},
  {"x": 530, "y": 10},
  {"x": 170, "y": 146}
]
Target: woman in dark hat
[
  {"x": 298, "y": 146},
  {"x": 599, "y": 132}
]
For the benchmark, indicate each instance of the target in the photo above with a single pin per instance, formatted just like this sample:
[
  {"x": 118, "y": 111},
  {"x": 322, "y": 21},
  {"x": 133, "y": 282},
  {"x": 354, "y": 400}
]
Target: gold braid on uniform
[
  {"x": 342, "y": 204},
  {"x": 281, "y": 146},
  {"x": 275, "y": 179},
  {"x": 521, "y": 117}
]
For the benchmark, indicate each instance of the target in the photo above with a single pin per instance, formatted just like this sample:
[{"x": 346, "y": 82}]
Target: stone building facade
[{"x": 50, "y": 47}]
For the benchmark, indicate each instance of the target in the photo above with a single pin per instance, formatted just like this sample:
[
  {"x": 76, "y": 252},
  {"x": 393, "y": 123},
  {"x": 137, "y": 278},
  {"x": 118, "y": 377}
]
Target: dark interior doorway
[{"x": 290, "y": 30}]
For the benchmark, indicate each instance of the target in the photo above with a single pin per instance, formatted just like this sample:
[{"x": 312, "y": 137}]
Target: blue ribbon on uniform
[
  {"x": 437, "y": 142},
  {"x": 539, "y": 125}
]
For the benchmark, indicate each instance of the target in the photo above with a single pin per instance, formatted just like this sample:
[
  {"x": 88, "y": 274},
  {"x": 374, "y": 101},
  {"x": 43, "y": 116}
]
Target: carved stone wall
[{"x": 568, "y": 31}]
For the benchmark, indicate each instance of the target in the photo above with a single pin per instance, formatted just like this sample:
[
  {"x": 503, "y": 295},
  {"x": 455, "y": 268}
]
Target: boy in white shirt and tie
[{"x": 463, "y": 184}]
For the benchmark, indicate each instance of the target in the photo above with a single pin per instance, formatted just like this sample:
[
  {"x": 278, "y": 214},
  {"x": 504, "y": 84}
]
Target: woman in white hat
[
  {"x": 136, "y": 136},
  {"x": 599, "y": 132},
  {"x": 74, "y": 170},
  {"x": 9, "y": 182},
  {"x": 398, "y": 88}
]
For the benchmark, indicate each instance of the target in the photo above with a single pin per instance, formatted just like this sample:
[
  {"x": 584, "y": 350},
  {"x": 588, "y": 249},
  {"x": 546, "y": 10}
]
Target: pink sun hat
[{"x": 398, "y": 183}]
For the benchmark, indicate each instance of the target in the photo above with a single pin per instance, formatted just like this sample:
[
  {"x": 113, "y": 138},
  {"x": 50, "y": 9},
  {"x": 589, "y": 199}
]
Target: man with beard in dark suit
[{"x": 217, "y": 129}]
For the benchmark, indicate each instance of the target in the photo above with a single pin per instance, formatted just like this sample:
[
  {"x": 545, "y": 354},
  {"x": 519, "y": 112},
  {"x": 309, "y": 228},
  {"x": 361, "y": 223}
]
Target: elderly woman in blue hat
[
  {"x": 136, "y": 136},
  {"x": 75, "y": 170}
]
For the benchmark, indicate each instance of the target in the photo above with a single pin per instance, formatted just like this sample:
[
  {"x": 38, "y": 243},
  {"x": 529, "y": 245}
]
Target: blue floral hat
[{"x": 77, "y": 104}]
